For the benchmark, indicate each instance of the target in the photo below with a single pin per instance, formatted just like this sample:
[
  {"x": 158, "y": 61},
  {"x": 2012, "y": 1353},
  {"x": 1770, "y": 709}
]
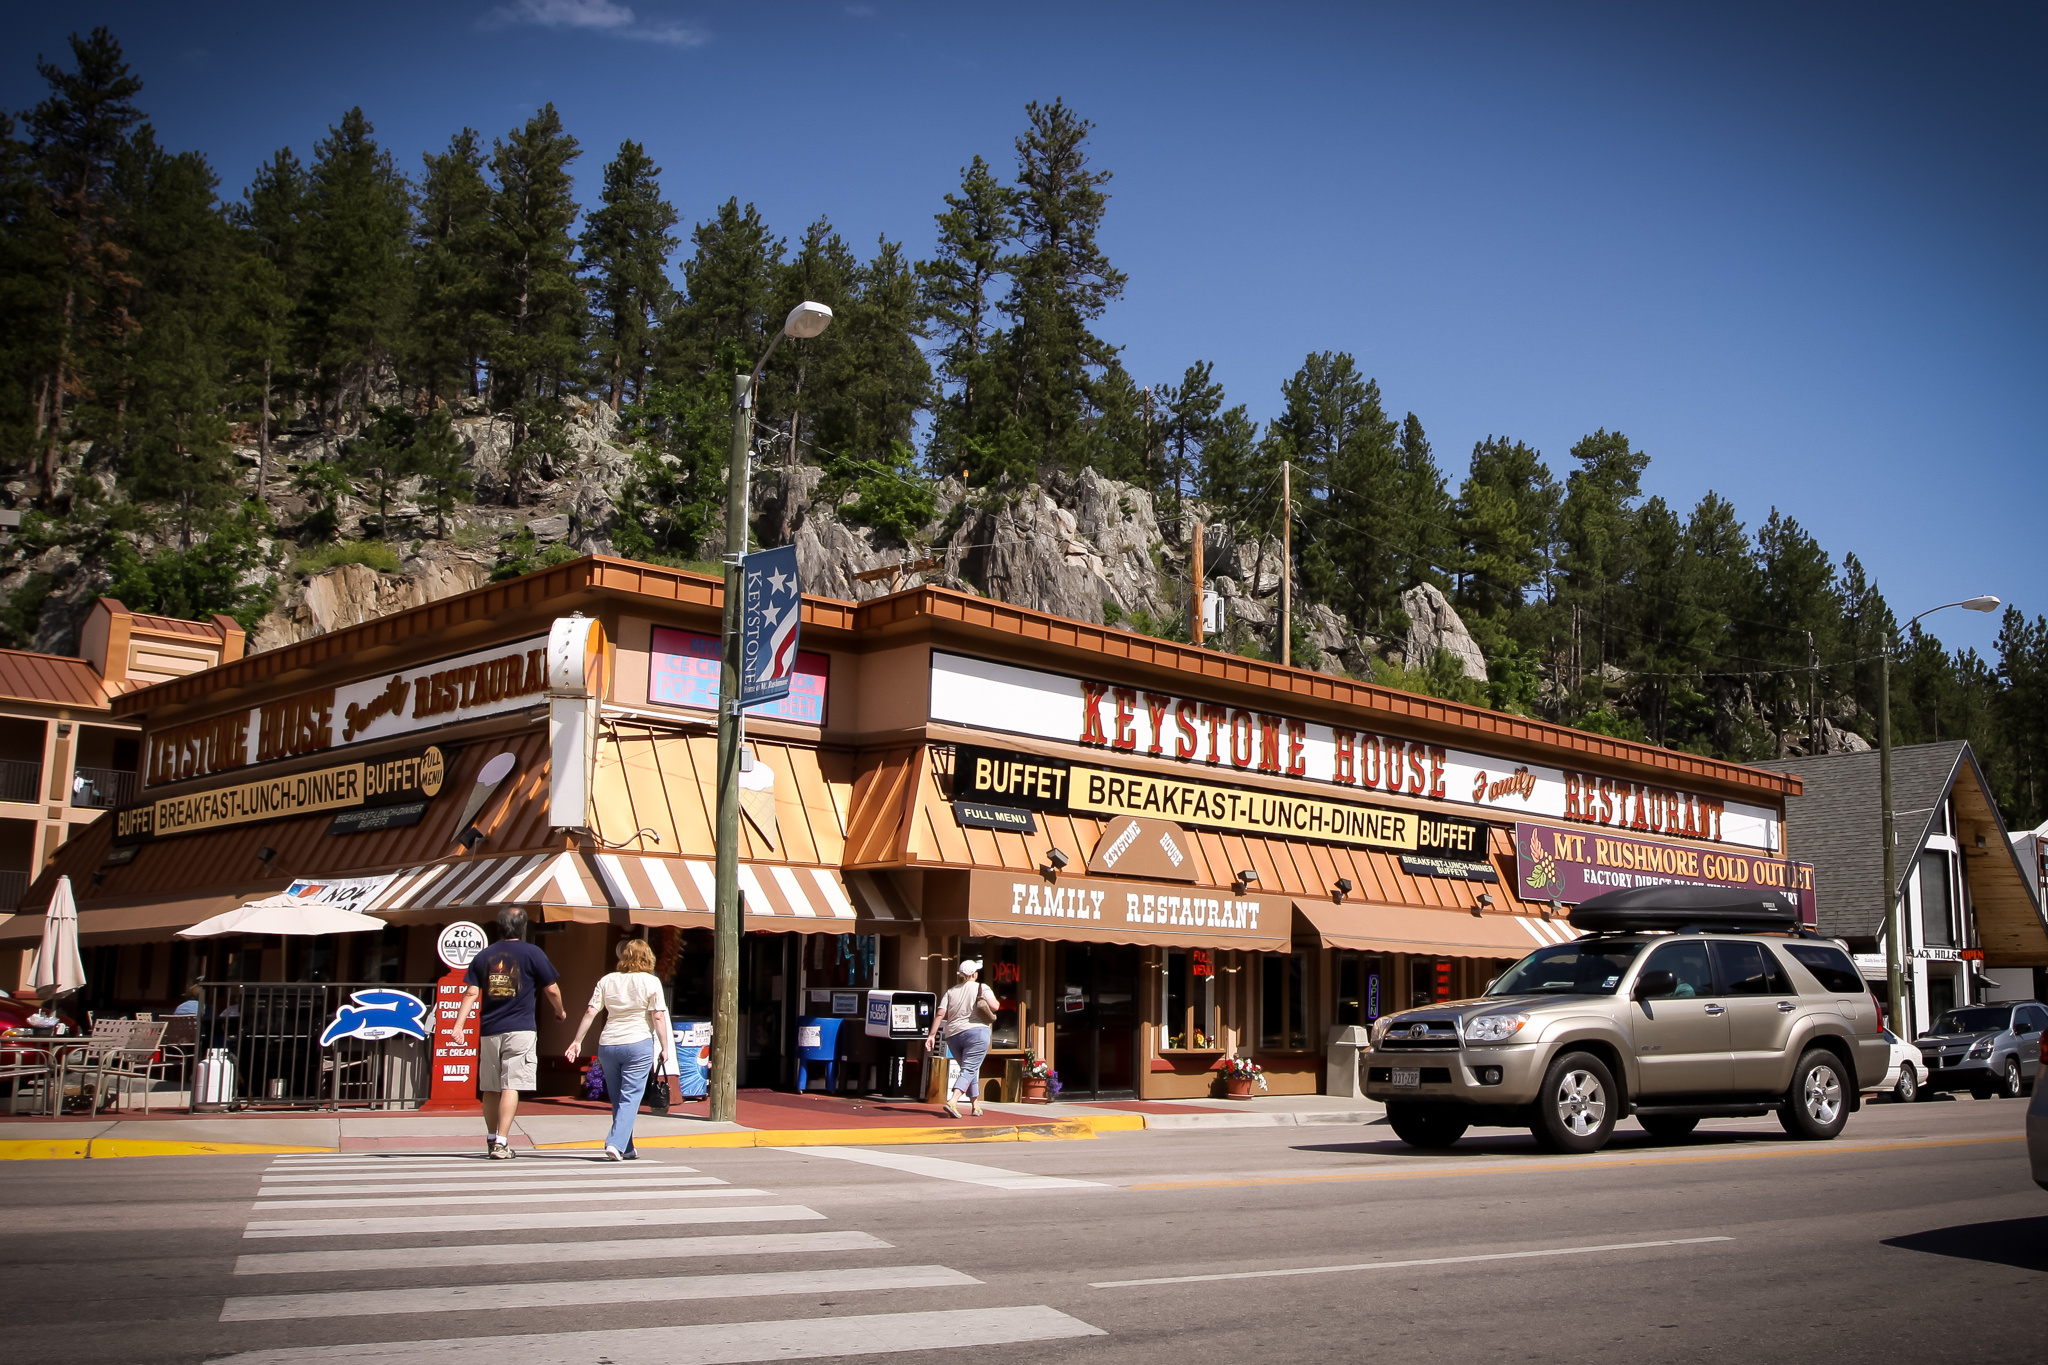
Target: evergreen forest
[{"x": 162, "y": 334}]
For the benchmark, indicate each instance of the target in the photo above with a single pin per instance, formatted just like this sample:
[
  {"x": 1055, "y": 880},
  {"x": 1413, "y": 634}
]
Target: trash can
[{"x": 1340, "y": 1067}]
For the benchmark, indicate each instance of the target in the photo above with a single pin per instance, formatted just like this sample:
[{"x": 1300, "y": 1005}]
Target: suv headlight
[
  {"x": 1982, "y": 1048},
  {"x": 1494, "y": 1028},
  {"x": 1379, "y": 1028}
]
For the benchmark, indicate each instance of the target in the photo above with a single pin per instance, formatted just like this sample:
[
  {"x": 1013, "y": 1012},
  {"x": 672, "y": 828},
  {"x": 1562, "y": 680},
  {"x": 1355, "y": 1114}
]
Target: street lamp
[
  {"x": 805, "y": 320},
  {"x": 1894, "y": 916}
]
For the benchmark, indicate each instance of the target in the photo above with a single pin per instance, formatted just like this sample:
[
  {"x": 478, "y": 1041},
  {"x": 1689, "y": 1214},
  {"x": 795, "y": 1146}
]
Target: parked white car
[{"x": 1902, "y": 1076}]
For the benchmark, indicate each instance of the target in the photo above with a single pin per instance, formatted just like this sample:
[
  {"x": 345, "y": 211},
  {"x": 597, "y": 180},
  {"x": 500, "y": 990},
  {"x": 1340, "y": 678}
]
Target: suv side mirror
[{"x": 1651, "y": 985}]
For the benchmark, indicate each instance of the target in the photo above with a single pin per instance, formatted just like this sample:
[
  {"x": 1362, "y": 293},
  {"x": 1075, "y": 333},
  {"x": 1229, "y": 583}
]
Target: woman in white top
[
  {"x": 964, "y": 1014},
  {"x": 635, "y": 1024}
]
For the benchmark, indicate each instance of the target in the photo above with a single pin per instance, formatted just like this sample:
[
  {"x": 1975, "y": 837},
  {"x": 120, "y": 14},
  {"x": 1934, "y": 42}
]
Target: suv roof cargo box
[{"x": 1729, "y": 909}]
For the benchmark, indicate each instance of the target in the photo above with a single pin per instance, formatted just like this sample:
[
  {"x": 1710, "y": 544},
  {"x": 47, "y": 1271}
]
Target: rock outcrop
[{"x": 1434, "y": 627}]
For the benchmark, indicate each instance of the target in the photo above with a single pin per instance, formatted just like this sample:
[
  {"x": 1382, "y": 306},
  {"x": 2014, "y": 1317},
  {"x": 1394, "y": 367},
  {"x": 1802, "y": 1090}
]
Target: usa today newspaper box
[{"x": 901, "y": 1017}]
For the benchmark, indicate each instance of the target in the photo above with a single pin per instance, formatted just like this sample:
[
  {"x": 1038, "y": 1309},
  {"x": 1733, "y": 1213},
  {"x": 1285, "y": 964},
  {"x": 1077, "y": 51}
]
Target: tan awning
[
  {"x": 1431, "y": 933},
  {"x": 560, "y": 886},
  {"x": 777, "y": 897},
  {"x": 1101, "y": 910},
  {"x": 144, "y": 922}
]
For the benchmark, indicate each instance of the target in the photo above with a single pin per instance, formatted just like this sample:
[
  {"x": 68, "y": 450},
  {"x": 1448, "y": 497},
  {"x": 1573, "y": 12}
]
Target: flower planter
[
  {"x": 1237, "y": 1089},
  {"x": 1035, "y": 1092}
]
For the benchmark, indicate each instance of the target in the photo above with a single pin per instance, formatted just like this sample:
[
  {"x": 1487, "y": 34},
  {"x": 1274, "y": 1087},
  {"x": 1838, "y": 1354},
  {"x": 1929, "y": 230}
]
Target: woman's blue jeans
[
  {"x": 625, "y": 1067},
  {"x": 969, "y": 1046}
]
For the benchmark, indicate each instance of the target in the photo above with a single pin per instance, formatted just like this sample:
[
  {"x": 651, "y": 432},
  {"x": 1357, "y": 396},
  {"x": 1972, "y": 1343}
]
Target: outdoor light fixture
[
  {"x": 470, "y": 837},
  {"x": 807, "y": 320},
  {"x": 63, "y": 729},
  {"x": 1556, "y": 907},
  {"x": 265, "y": 854},
  {"x": 1485, "y": 904},
  {"x": 1245, "y": 879},
  {"x": 98, "y": 877},
  {"x": 1343, "y": 889},
  {"x": 1054, "y": 861}
]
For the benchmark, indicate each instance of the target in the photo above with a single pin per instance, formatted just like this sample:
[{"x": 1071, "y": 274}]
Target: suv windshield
[
  {"x": 1974, "y": 1021},
  {"x": 1587, "y": 967}
]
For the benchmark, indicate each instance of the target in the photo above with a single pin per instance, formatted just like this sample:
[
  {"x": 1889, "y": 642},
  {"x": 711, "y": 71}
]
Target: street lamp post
[
  {"x": 1894, "y": 917},
  {"x": 804, "y": 320}
]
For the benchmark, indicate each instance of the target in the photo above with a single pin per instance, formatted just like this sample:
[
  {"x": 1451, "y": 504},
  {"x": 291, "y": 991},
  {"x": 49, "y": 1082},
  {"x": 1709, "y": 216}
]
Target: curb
[{"x": 1088, "y": 1126}]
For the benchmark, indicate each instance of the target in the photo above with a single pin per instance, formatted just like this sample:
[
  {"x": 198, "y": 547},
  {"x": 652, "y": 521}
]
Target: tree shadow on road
[{"x": 2020, "y": 1242}]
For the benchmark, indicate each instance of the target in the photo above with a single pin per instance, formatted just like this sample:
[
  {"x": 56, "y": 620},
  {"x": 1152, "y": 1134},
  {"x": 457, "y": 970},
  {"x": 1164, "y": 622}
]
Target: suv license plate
[{"x": 1408, "y": 1075}]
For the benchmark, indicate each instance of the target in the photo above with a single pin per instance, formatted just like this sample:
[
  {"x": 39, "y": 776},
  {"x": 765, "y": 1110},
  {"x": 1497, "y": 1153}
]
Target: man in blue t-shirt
[{"x": 504, "y": 979}]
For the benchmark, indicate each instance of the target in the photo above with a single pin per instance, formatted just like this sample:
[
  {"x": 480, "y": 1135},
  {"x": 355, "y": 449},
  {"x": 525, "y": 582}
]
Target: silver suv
[{"x": 1674, "y": 1022}]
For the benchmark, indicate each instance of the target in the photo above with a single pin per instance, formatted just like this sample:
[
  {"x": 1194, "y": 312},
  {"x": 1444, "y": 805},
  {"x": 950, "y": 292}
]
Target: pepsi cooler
[{"x": 900, "y": 1015}]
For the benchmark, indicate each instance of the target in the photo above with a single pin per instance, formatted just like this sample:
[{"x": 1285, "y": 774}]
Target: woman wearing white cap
[{"x": 964, "y": 1014}]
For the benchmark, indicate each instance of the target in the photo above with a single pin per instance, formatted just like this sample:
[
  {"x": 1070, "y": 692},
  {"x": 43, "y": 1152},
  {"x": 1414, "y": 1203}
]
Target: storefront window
[
  {"x": 1002, "y": 971},
  {"x": 1936, "y": 916},
  {"x": 1191, "y": 1000},
  {"x": 1358, "y": 989},
  {"x": 1283, "y": 1009},
  {"x": 690, "y": 988}
]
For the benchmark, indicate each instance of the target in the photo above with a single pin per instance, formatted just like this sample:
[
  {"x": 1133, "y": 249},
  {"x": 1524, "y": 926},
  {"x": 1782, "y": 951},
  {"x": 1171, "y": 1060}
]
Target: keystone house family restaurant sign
[{"x": 969, "y": 692}]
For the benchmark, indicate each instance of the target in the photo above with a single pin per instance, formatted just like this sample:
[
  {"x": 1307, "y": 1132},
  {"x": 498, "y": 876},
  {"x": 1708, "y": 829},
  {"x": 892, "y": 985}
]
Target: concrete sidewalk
[{"x": 766, "y": 1120}]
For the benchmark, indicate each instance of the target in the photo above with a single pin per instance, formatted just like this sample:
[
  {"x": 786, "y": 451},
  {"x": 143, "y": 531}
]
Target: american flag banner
[{"x": 771, "y": 615}]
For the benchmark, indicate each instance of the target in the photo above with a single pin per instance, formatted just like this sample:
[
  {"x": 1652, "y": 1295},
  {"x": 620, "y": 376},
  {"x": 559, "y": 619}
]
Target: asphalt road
[{"x": 1917, "y": 1236}]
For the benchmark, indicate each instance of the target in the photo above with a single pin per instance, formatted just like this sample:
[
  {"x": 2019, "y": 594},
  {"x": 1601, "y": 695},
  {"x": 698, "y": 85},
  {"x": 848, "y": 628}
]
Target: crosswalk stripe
[
  {"x": 543, "y": 1253},
  {"x": 578, "y": 1293},
  {"x": 616, "y": 1182},
  {"x": 939, "y": 1168},
  {"x": 732, "y": 1343},
  {"x": 474, "y": 1169},
  {"x": 486, "y": 1197},
  {"x": 508, "y": 1221}
]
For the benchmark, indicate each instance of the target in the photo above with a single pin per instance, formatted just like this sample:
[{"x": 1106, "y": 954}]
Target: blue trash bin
[{"x": 817, "y": 1041}]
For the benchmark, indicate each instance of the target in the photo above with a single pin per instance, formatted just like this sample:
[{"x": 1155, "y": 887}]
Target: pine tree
[
  {"x": 884, "y": 380},
  {"x": 1063, "y": 281},
  {"x": 31, "y": 271},
  {"x": 451, "y": 320},
  {"x": 1190, "y": 411},
  {"x": 730, "y": 287},
  {"x": 626, "y": 246},
  {"x": 270, "y": 288},
  {"x": 960, "y": 287},
  {"x": 78, "y": 131},
  {"x": 1422, "y": 527},
  {"x": 1507, "y": 518},
  {"x": 537, "y": 353},
  {"x": 358, "y": 286},
  {"x": 815, "y": 377}
]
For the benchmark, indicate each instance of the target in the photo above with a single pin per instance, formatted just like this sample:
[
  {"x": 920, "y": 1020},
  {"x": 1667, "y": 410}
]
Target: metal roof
[{"x": 55, "y": 679}]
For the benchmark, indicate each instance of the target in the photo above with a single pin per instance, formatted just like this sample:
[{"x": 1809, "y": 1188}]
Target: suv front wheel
[
  {"x": 1817, "y": 1105},
  {"x": 1577, "y": 1105}
]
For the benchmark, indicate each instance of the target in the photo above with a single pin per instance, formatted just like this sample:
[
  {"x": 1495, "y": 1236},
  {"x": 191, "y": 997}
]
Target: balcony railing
[
  {"x": 102, "y": 788},
  {"x": 13, "y": 886},
  {"x": 20, "y": 780}
]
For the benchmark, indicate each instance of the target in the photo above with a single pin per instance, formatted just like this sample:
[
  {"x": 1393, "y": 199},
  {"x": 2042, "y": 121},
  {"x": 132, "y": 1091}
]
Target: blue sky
[{"x": 1793, "y": 252}]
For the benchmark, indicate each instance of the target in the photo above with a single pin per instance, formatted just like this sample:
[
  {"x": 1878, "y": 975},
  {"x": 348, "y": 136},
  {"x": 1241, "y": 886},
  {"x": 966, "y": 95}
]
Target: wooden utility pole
[
  {"x": 1195, "y": 623},
  {"x": 1286, "y": 563}
]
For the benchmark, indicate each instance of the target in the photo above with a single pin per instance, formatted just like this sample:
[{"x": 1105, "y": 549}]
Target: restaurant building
[{"x": 1165, "y": 855}]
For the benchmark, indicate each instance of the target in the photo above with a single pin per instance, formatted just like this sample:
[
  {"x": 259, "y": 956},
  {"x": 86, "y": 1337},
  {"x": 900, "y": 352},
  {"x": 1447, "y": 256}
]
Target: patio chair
[
  {"x": 120, "y": 1052},
  {"x": 24, "y": 1067}
]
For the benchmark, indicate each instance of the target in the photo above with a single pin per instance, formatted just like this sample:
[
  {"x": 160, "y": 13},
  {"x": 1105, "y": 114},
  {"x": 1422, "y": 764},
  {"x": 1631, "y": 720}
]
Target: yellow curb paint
[
  {"x": 121, "y": 1147},
  {"x": 1058, "y": 1130},
  {"x": 58, "y": 1149},
  {"x": 1566, "y": 1167}
]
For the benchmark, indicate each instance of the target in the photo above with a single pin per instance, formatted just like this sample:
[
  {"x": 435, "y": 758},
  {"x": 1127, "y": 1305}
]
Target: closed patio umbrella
[
  {"x": 283, "y": 915},
  {"x": 57, "y": 969}
]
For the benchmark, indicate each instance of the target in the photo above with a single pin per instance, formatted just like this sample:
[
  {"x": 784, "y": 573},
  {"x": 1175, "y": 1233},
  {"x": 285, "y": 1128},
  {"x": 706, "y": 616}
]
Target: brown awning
[
  {"x": 778, "y": 898},
  {"x": 148, "y": 922},
  {"x": 984, "y": 904},
  {"x": 1431, "y": 933}
]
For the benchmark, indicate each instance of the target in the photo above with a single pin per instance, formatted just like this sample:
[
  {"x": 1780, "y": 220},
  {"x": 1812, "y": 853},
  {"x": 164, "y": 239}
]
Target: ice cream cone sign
[{"x": 489, "y": 778}]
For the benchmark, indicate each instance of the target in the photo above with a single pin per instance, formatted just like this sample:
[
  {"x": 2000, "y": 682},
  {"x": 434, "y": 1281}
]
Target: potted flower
[
  {"x": 1040, "y": 1081},
  {"x": 1238, "y": 1075}
]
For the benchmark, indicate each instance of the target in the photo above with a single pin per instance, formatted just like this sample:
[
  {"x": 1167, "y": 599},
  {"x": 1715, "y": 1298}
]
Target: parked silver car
[
  {"x": 1684, "y": 1003},
  {"x": 1988, "y": 1050}
]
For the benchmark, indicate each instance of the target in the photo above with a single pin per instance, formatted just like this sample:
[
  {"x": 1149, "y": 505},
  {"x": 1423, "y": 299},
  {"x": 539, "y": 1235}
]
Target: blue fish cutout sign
[{"x": 376, "y": 1015}]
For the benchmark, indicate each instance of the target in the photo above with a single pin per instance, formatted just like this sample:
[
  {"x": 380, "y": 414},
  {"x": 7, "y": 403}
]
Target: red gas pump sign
[{"x": 452, "y": 1081}]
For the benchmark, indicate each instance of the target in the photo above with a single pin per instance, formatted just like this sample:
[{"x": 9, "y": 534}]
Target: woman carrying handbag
[
  {"x": 636, "y": 1032},
  {"x": 964, "y": 1016}
]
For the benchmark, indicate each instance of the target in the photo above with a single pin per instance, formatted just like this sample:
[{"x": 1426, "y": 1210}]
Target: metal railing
[
  {"x": 102, "y": 788},
  {"x": 21, "y": 779},
  {"x": 259, "y": 1048},
  {"x": 13, "y": 886}
]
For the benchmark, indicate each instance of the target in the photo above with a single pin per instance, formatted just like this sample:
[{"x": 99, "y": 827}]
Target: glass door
[{"x": 1095, "y": 1021}]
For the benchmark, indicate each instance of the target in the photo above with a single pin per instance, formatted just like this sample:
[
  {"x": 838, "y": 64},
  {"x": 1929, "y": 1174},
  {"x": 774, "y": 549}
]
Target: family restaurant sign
[
  {"x": 1025, "y": 905},
  {"x": 490, "y": 681},
  {"x": 1573, "y": 865},
  {"x": 994, "y": 696}
]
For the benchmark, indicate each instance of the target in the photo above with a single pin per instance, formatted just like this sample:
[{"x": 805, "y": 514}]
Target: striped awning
[
  {"x": 561, "y": 885},
  {"x": 1431, "y": 933},
  {"x": 657, "y": 890}
]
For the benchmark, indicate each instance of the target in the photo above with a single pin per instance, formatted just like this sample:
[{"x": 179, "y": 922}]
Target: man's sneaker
[{"x": 500, "y": 1151}]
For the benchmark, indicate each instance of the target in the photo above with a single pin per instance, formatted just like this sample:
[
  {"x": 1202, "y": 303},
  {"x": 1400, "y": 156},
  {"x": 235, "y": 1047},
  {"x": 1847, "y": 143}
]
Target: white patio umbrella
[
  {"x": 283, "y": 915},
  {"x": 57, "y": 969}
]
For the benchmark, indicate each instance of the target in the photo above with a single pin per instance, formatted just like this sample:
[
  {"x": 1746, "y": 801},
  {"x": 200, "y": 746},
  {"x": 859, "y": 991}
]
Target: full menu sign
[
  {"x": 1205, "y": 734},
  {"x": 1574, "y": 865}
]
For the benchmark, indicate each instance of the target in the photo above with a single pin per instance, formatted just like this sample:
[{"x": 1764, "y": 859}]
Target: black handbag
[{"x": 658, "y": 1097}]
